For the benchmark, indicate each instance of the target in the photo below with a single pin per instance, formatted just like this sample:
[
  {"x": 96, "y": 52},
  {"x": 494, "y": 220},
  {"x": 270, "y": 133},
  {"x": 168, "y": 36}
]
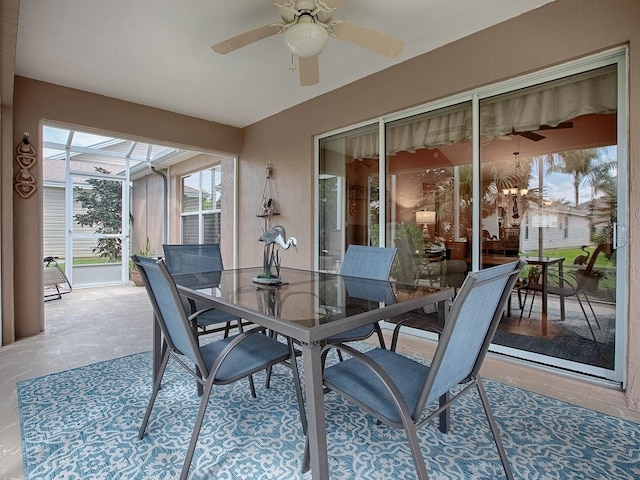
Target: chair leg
[
  {"x": 495, "y": 431},
  {"x": 533, "y": 299},
  {"x": 524, "y": 303},
  {"x": 416, "y": 453},
  {"x": 154, "y": 393},
  {"x": 378, "y": 330},
  {"x": 196, "y": 429},
  {"x": 252, "y": 386},
  {"x": 587, "y": 319},
  {"x": 519, "y": 299},
  {"x": 592, "y": 311}
]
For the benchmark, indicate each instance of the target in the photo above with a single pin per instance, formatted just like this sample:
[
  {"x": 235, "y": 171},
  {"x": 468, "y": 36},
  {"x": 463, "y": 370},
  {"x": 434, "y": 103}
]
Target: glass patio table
[{"x": 309, "y": 307}]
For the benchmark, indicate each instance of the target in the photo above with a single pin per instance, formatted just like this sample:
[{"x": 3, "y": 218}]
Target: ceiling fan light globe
[{"x": 306, "y": 39}]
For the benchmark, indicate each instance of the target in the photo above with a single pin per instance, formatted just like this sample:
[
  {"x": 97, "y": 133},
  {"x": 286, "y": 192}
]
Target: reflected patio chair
[
  {"x": 373, "y": 263},
  {"x": 565, "y": 285},
  {"x": 569, "y": 284},
  {"x": 414, "y": 266},
  {"x": 197, "y": 258},
  {"x": 220, "y": 362},
  {"x": 404, "y": 394},
  {"x": 453, "y": 273}
]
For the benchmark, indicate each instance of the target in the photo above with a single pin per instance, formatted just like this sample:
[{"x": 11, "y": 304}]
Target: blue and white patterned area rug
[{"x": 83, "y": 424}]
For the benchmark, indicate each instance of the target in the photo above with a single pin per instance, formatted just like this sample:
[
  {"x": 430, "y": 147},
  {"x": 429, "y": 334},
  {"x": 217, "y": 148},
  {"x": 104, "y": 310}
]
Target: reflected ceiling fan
[
  {"x": 307, "y": 26},
  {"x": 536, "y": 137}
]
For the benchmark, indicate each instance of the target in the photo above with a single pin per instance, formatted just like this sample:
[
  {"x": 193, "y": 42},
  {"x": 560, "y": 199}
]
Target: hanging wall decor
[
  {"x": 267, "y": 206},
  {"x": 25, "y": 183}
]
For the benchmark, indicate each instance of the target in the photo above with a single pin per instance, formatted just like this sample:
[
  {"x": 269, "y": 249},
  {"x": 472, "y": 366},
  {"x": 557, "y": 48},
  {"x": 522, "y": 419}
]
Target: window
[{"x": 201, "y": 205}]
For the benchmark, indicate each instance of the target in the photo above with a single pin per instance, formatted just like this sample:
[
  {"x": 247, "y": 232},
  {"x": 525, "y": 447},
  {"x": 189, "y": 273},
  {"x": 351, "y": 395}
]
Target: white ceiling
[{"x": 158, "y": 52}]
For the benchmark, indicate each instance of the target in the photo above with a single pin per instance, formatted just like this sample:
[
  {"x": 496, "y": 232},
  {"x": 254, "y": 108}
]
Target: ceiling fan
[
  {"x": 536, "y": 137},
  {"x": 307, "y": 26}
]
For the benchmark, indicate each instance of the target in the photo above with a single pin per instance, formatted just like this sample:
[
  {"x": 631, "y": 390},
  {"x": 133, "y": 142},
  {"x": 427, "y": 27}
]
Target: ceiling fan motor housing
[{"x": 306, "y": 38}]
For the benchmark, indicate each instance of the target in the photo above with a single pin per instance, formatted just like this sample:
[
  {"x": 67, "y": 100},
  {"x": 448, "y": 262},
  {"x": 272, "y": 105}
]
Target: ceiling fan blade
[
  {"x": 560, "y": 125},
  {"x": 309, "y": 71},
  {"x": 244, "y": 39},
  {"x": 334, "y": 3},
  {"x": 370, "y": 39},
  {"x": 532, "y": 136}
]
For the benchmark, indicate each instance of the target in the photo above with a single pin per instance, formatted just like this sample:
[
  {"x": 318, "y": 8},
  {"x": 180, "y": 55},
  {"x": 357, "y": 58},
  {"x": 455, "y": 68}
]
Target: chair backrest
[
  {"x": 195, "y": 258},
  {"x": 409, "y": 267},
  {"x": 368, "y": 262},
  {"x": 455, "y": 272},
  {"x": 372, "y": 290},
  {"x": 469, "y": 329},
  {"x": 168, "y": 308}
]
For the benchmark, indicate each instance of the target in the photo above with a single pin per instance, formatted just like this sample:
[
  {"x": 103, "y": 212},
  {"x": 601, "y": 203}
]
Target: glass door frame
[
  {"x": 617, "y": 56},
  {"x": 124, "y": 234}
]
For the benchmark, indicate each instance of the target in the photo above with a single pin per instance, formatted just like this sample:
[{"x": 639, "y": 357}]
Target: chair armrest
[
  {"x": 377, "y": 370},
  {"x": 396, "y": 331}
]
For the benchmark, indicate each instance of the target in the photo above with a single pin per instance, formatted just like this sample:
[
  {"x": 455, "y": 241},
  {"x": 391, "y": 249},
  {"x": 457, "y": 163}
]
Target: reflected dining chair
[
  {"x": 372, "y": 263},
  {"x": 403, "y": 393},
  {"x": 564, "y": 285},
  {"x": 220, "y": 362},
  {"x": 197, "y": 258},
  {"x": 414, "y": 266}
]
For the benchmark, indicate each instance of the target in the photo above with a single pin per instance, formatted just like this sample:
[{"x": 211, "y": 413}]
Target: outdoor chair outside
[
  {"x": 220, "y": 362},
  {"x": 403, "y": 393}
]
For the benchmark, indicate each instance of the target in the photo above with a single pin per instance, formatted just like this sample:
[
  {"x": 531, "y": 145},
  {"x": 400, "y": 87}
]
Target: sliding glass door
[
  {"x": 534, "y": 168},
  {"x": 550, "y": 189}
]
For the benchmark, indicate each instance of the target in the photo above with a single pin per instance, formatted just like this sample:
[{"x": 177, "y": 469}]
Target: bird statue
[
  {"x": 582, "y": 259},
  {"x": 274, "y": 238},
  {"x": 278, "y": 235}
]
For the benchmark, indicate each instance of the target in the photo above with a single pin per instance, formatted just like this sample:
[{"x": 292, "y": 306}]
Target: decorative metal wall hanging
[
  {"x": 267, "y": 206},
  {"x": 25, "y": 183}
]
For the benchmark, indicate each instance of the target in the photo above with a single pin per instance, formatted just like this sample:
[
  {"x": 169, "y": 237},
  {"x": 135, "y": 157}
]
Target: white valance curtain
[{"x": 517, "y": 112}]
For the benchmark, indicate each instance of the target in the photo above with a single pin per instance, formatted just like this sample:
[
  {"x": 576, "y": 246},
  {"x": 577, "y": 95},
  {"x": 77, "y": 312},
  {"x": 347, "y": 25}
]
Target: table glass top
[{"x": 305, "y": 297}]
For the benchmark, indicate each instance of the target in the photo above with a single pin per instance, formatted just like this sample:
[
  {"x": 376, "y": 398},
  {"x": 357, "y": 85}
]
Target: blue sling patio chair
[
  {"x": 373, "y": 263},
  {"x": 220, "y": 362},
  {"x": 403, "y": 393},
  {"x": 198, "y": 258}
]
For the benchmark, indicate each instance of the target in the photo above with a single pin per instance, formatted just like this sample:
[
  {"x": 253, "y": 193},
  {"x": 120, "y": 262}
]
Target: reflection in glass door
[
  {"x": 550, "y": 183},
  {"x": 429, "y": 209},
  {"x": 349, "y": 206},
  {"x": 532, "y": 174}
]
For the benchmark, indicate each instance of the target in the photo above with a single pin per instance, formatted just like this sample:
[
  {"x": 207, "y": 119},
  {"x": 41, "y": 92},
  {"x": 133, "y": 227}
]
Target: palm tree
[
  {"x": 604, "y": 181},
  {"x": 578, "y": 163}
]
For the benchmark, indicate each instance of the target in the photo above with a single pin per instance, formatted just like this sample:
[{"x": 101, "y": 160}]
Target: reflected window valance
[{"x": 589, "y": 93}]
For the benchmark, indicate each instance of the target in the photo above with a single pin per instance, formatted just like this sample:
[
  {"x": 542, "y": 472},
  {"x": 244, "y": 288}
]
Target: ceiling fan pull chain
[{"x": 292, "y": 66}]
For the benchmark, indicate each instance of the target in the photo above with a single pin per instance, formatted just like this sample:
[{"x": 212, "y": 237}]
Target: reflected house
[{"x": 562, "y": 226}]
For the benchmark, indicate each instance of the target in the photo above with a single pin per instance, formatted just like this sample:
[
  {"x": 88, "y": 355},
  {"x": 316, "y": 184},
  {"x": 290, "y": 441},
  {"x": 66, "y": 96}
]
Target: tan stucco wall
[
  {"x": 8, "y": 39},
  {"x": 148, "y": 213},
  {"x": 551, "y": 35},
  {"x": 36, "y": 101},
  {"x": 197, "y": 163}
]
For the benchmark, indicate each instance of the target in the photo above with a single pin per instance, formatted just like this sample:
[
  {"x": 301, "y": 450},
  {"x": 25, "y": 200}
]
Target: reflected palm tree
[{"x": 578, "y": 163}]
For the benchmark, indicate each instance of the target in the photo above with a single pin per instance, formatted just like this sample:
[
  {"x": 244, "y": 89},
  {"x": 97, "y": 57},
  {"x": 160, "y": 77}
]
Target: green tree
[
  {"x": 578, "y": 163},
  {"x": 103, "y": 204}
]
